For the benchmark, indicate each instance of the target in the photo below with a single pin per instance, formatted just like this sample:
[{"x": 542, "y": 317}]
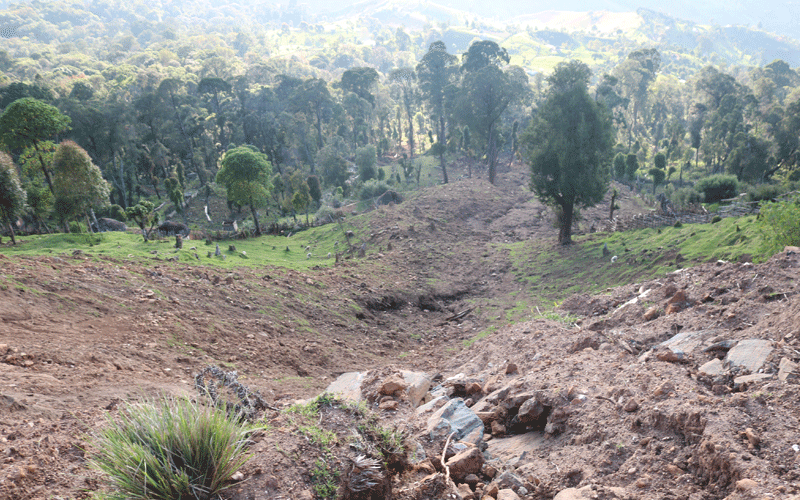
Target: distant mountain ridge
[{"x": 779, "y": 17}]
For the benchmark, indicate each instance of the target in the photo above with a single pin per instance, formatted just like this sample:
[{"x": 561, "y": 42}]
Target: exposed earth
[{"x": 593, "y": 406}]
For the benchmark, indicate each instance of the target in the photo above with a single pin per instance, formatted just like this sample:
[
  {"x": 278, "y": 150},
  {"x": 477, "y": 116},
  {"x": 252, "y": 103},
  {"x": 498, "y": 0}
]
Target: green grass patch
[
  {"x": 481, "y": 335},
  {"x": 169, "y": 449},
  {"x": 254, "y": 252},
  {"x": 552, "y": 273}
]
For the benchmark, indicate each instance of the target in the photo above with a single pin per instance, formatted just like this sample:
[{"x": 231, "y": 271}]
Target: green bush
[
  {"x": 684, "y": 197},
  {"x": 780, "y": 224},
  {"x": 718, "y": 187},
  {"x": 77, "y": 227},
  {"x": 716, "y": 219},
  {"x": 764, "y": 192},
  {"x": 170, "y": 450},
  {"x": 373, "y": 189}
]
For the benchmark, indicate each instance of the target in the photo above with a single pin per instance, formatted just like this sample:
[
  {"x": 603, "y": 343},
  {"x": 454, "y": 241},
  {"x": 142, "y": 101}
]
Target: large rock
[
  {"x": 688, "y": 342},
  {"x": 456, "y": 417},
  {"x": 418, "y": 385},
  {"x": 415, "y": 384},
  {"x": 787, "y": 370},
  {"x": 464, "y": 463},
  {"x": 750, "y": 354},
  {"x": 530, "y": 411},
  {"x": 347, "y": 386}
]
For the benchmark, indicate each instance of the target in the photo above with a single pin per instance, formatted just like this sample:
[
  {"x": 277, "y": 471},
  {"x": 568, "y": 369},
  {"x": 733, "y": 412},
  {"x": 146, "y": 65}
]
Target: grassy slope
[{"x": 550, "y": 273}]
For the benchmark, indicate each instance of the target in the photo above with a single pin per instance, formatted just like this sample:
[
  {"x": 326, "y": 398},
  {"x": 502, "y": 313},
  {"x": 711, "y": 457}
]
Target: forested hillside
[{"x": 352, "y": 102}]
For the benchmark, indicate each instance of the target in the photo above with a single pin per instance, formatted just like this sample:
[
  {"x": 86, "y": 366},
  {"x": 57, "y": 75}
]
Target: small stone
[
  {"x": 3, "y": 349},
  {"x": 671, "y": 356},
  {"x": 786, "y": 369},
  {"x": 712, "y": 368},
  {"x": 498, "y": 429},
  {"x": 491, "y": 490},
  {"x": 507, "y": 494},
  {"x": 305, "y": 495},
  {"x": 389, "y": 405},
  {"x": 652, "y": 313},
  {"x": 674, "y": 470},
  {"x": 472, "y": 479},
  {"x": 678, "y": 298},
  {"x": 488, "y": 471},
  {"x": 465, "y": 492},
  {"x": 631, "y": 406},
  {"x": 464, "y": 463},
  {"x": 664, "y": 389},
  {"x": 745, "y": 484},
  {"x": 237, "y": 476},
  {"x": 473, "y": 388},
  {"x": 392, "y": 385},
  {"x": 511, "y": 368},
  {"x": 753, "y": 439},
  {"x": 643, "y": 482},
  {"x": 741, "y": 383}
]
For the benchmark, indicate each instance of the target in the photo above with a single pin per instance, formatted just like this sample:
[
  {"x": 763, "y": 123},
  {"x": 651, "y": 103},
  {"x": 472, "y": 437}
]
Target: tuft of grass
[
  {"x": 325, "y": 479},
  {"x": 170, "y": 449}
]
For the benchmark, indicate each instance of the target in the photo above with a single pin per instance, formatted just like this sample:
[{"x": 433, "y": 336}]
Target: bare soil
[{"x": 80, "y": 334}]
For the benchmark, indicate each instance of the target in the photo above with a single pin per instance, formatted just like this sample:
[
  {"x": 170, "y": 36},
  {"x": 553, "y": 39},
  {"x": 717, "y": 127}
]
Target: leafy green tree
[
  {"x": 567, "y": 145},
  {"x": 636, "y": 73},
  {"x": 780, "y": 224},
  {"x": 216, "y": 86},
  {"x": 619, "y": 166},
  {"x": 144, "y": 215},
  {"x": 246, "y": 173},
  {"x": 658, "y": 176},
  {"x": 78, "y": 183},
  {"x": 437, "y": 71},
  {"x": 483, "y": 53},
  {"x": 405, "y": 79},
  {"x": 314, "y": 188},
  {"x": 660, "y": 161},
  {"x": 631, "y": 166},
  {"x": 12, "y": 196},
  {"x": 333, "y": 166},
  {"x": 27, "y": 122},
  {"x": 360, "y": 82},
  {"x": 314, "y": 99},
  {"x": 487, "y": 93},
  {"x": 366, "y": 159},
  {"x": 175, "y": 193}
]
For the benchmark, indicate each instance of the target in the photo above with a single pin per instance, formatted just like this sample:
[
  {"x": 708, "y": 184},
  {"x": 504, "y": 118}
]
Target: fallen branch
[
  {"x": 444, "y": 452},
  {"x": 457, "y": 316}
]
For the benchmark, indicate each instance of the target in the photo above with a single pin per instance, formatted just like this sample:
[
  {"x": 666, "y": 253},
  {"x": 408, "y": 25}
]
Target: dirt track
[{"x": 79, "y": 335}]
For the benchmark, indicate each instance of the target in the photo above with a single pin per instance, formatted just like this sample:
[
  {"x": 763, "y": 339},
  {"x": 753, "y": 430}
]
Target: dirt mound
[{"x": 632, "y": 416}]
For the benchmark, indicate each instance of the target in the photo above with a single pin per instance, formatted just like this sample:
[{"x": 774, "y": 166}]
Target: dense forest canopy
[{"x": 157, "y": 92}]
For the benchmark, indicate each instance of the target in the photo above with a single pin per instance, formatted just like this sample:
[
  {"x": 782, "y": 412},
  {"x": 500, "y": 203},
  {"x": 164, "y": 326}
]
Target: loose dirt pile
[{"x": 79, "y": 334}]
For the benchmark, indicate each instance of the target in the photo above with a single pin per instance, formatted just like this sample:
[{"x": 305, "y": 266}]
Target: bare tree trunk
[
  {"x": 440, "y": 138},
  {"x": 565, "y": 229},
  {"x": 11, "y": 232},
  {"x": 255, "y": 219}
]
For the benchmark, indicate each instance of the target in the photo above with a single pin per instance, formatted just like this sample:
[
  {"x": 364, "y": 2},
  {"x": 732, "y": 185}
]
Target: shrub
[
  {"x": 764, "y": 192},
  {"x": 718, "y": 187},
  {"x": 373, "y": 189},
  {"x": 77, "y": 227},
  {"x": 780, "y": 224},
  {"x": 172, "y": 449},
  {"x": 684, "y": 197},
  {"x": 716, "y": 219}
]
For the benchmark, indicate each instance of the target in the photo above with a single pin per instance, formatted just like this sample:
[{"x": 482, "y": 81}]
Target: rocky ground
[{"x": 680, "y": 387}]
